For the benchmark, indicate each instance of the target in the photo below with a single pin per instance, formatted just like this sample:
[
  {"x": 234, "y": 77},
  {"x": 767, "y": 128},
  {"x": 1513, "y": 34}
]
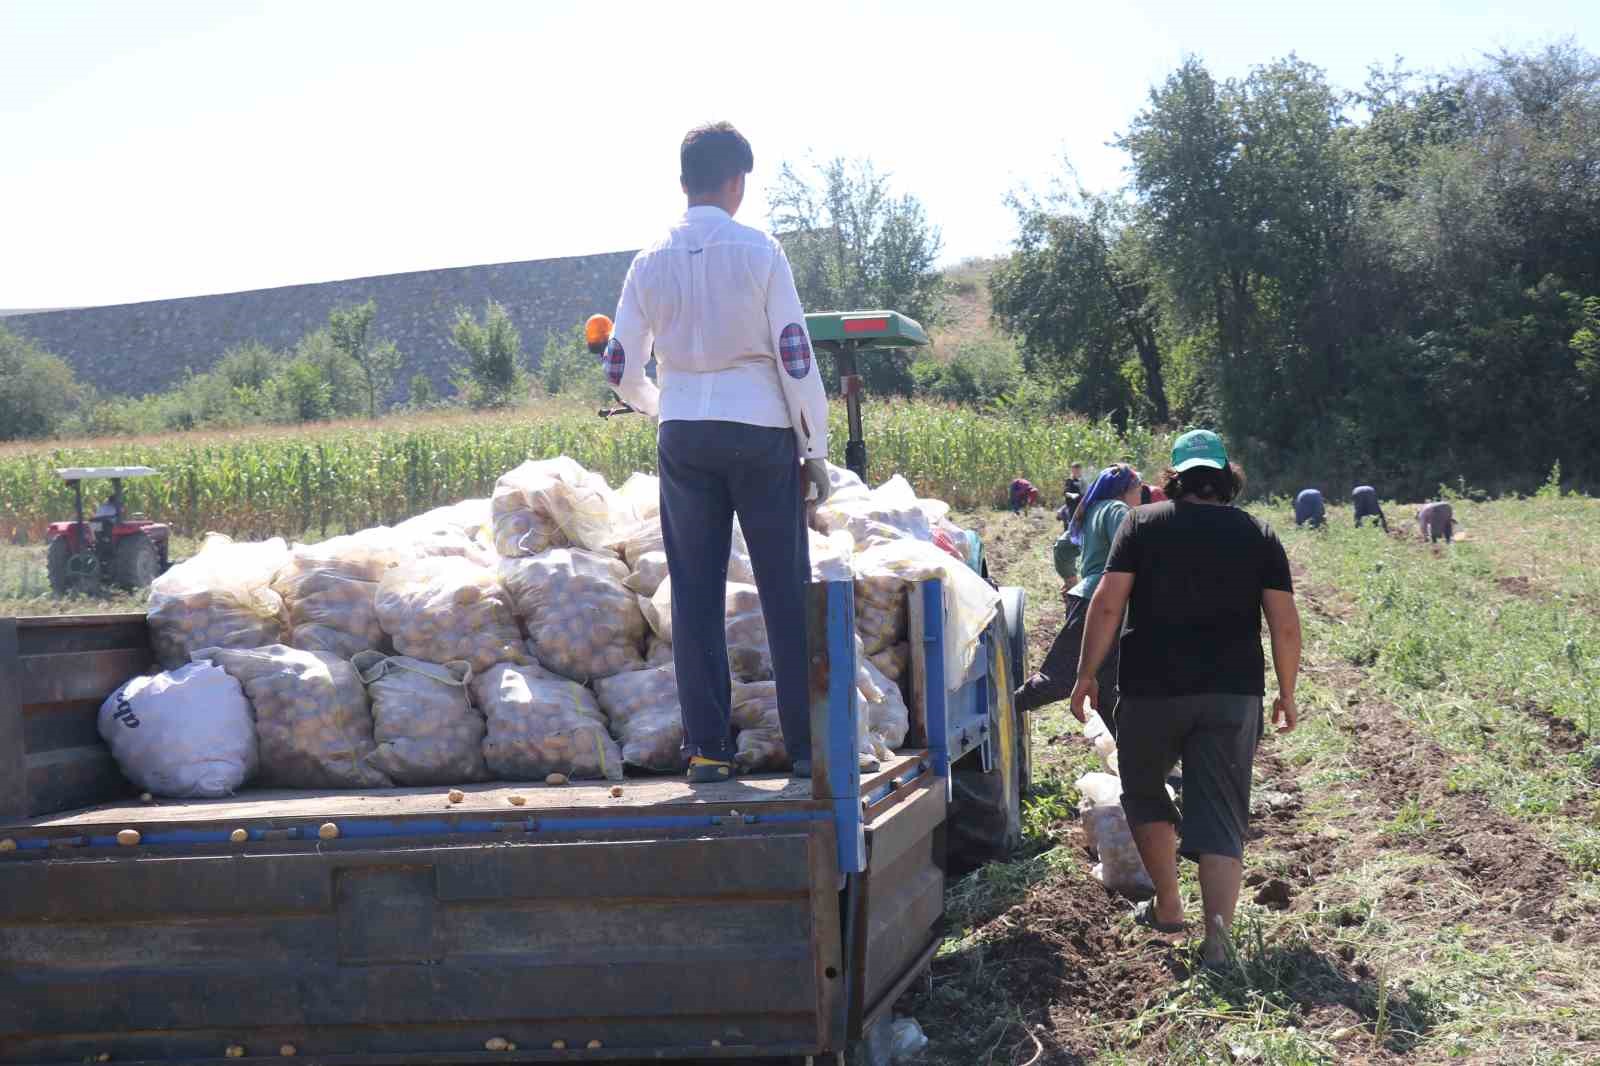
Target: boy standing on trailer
[{"x": 744, "y": 431}]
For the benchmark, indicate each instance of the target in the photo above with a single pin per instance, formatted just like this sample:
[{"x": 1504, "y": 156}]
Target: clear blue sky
[{"x": 162, "y": 149}]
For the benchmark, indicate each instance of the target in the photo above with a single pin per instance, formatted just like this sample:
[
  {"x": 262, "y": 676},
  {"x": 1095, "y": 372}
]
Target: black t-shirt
[{"x": 1195, "y": 614}]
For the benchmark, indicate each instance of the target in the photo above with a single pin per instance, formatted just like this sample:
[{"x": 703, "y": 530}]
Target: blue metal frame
[
  {"x": 842, "y": 746},
  {"x": 935, "y": 694}
]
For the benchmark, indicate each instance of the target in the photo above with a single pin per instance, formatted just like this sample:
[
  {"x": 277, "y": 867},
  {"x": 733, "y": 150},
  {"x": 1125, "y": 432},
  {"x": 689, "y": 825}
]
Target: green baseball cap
[{"x": 1199, "y": 447}]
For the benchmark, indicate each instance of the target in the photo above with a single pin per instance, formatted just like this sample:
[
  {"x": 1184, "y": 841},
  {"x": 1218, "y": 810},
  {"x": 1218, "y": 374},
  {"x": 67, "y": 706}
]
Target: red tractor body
[{"x": 109, "y": 547}]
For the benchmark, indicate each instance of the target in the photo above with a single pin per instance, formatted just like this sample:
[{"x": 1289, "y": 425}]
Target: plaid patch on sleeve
[
  {"x": 795, "y": 350},
  {"x": 615, "y": 360}
]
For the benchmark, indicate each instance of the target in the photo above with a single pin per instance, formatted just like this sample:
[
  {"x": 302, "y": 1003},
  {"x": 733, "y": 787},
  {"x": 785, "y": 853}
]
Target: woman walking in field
[
  {"x": 1195, "y": 575},
  {"x": 1091, "y": 528}
]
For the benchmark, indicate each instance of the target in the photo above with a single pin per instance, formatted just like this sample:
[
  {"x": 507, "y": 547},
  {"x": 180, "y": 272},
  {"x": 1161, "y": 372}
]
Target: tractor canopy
[
  {"x": 84, "y": 473},
  {"x": 868, "y": 329}
]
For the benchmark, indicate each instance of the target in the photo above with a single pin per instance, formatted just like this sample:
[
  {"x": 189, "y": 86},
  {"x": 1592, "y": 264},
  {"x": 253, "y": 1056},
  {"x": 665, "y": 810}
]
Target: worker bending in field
[
  {"x": 744, "y": 430},
  {"x": 1436, "y": 520},
  {"x": 1023, "y": 495},
  {"x": 1365, "y": 498},
  {"x": 1195, "y": 575},
  {"x": 1099, "y": 515},
  {"x": 1310, "y": 509}
]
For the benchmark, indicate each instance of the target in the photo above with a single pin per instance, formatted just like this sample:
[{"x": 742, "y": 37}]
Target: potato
[
  {"x": 582, "y": 622},
  {"x": 312, "y": 718},
  {"x": 539, "y": 725},
  {"x": 449, "y": 608},
  {"x": 645, "y": 718}
]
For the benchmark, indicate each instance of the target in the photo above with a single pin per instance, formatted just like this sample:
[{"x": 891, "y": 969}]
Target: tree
[
  {"x": 494, "y": 374},
  {"x": 566, "y": 367},
  {"x": 1078, "y": 292},
  {"x": 853, "y": 246},
  {"x": 420, "y": 394},
  {"x": 350, "y": 329},
  {"x": 37, "y": 389},
  {"x": 345, "y": 392}
]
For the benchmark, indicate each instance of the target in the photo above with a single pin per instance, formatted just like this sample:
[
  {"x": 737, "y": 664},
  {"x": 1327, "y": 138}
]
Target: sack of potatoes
[
  {"x": 880, "y": 611},
  {"x": 552, "y": 503},
  {"x": 313, "y": 724},
  {"x": 449, "y": 608},
  {"x": 219, "y": 598},
  {"x": 649, "y": 571},
  {"x": 427, "y": 731},
  {"x": 330, "y": 588},
  {"x": 582, "y": 622},
  {"x": 760, "y": 734},
  {"x": 540, "y": 724},
  {"x": 894, "y": 660},
  {"x": 745, "y": 628},
  {"x": 642, "y": 707}
]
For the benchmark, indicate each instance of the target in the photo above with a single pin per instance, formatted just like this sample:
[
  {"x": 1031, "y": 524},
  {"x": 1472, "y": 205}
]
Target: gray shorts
[{"x": 1215, "y": 736}]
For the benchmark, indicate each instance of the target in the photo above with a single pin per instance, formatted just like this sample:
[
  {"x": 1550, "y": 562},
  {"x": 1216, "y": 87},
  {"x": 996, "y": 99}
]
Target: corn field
[{"x": 314, "y": 482}]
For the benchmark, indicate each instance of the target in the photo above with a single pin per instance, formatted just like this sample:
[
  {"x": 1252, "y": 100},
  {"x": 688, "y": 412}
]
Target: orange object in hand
[{"x": 596, "y": 332}]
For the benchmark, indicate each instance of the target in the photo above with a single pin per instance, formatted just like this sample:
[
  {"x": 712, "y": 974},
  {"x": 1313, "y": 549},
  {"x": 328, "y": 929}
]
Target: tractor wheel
[
  {"x": 56, "y": 561},
  {"x": 136, "y": 562}
]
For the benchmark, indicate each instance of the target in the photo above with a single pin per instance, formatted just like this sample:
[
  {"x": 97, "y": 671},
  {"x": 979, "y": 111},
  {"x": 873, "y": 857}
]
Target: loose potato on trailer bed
[{"x": 763, "y": 916}]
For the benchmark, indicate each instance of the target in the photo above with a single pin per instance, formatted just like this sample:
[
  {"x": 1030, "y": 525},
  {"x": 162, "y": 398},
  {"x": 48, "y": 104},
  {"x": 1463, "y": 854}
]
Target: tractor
[{"x": 110, "y": 547}]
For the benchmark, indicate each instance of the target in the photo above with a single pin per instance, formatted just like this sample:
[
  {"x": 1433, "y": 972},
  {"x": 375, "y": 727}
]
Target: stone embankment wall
[{"x": 133, "y": 349}]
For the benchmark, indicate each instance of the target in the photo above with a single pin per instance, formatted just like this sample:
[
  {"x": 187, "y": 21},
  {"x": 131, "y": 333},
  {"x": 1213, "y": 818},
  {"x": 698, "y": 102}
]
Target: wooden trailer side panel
[{"x": 54, "y": 674}]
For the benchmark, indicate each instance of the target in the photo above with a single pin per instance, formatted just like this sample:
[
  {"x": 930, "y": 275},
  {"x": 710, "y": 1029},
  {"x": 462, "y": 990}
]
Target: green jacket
[
  {"x": 1101, "y": 525},
  {"x": 1066, "y": 556}
]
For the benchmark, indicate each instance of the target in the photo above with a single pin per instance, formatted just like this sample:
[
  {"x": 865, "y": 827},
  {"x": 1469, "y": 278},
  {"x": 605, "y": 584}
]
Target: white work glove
[{"x": 816, "y": 478}]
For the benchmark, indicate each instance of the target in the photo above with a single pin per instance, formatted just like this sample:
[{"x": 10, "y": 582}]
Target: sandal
[
  {"x": 1145, "y": 914},
  {"x": 704, "y": 771}
]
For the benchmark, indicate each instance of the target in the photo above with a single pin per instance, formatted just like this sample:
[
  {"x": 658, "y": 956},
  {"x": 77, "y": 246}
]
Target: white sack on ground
[
  {"x": 427, "y": 731},
  {"x": 642, "y": 707},
  {"x": 582, "y": 621},
  {"x": 330, "y": 588},
  {"x": 970, "y": 604},
  {"x": 552, "y": 503},
  {"x": 541, "y": 725},
  {"x": 219, "y": 598},
  {"x": 313, "y": 725},
  {"x": 449, "y": 608},
  {"x": 185, "y": 733},
  {"x": 1105, "y": 827}
]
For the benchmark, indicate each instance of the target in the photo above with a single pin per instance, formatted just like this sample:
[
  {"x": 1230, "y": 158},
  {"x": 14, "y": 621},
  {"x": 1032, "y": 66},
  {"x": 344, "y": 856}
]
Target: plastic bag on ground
[
  {"x": 582, "y": 621},
  {"x": 449, "y": 608},
  {"x": 1105, "y": 827},
  {"x": 313, "y": 724},
  {"x": 649, "y": 571},
  {"x": 219, "y": 598},
  {"x": 642, "y": 707},
  {"x": 760, "y": 734},
  {"x": 552, "y": 503},
  {"x": 330, "y": 588},
  {"x": 541, "y": 725},
  {"x": 185, "y": 733},
  {"x": 427, "y": 731},
  {"x": 970, "y": 603},
  {"x": 749, "y": 654},
  {"x": 1100, "y": 738}
]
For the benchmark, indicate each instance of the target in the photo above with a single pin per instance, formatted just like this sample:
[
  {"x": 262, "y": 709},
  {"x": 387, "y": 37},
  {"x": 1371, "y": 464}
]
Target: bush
[
  {"x": 982, "y": 371},
  {"x": 37, "y": 389}
]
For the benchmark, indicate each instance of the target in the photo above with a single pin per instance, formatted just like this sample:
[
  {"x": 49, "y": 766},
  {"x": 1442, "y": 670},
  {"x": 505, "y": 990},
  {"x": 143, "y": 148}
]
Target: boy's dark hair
[
  {"x": 711, "y": 154},
  {"x": 1206, "y": 482}
]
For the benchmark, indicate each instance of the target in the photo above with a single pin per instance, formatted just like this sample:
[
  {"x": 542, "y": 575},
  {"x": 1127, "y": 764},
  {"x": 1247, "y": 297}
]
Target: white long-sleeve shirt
[{"x": 717, "y": 302}]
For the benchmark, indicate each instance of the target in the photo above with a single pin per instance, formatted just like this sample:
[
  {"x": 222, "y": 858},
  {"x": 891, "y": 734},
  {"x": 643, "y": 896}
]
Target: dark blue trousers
[{"x": 711, "y": 471}]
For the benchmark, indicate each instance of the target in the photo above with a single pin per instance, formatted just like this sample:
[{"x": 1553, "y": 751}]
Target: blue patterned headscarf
[{"x": 1112, "y": 483}]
